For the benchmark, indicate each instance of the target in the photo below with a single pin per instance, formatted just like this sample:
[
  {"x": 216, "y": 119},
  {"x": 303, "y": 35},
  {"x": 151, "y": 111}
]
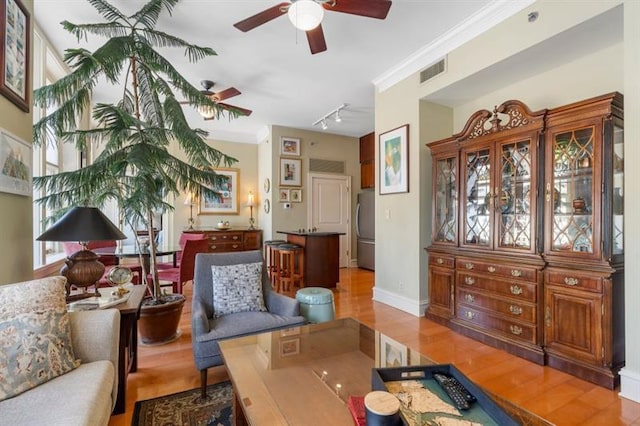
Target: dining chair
[
  {"x": 184, "y": 272},
  {"x": 185, "y": 236},
  {"x": 108, "y": 261}
]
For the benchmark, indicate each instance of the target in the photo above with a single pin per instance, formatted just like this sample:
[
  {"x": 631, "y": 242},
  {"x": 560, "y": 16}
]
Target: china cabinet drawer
[
  {"x": 508, "y": 308},
  {"x": 496, "y": 269},
  {"x": 441, "y": 260},
  {"x": 569, "y": 279},
  {"x": 515, "y": 289},
  {"x": 513, "y": 330}
]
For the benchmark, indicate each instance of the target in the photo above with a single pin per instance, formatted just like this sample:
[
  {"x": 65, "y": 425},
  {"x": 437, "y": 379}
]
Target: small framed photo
[
  {"x": 394, "y": 161},
  {"x": 296, "y": 195},
  {"x": 15, "y": 165},
  {"x": 290, "y": 146},
  {"x": 290, "y": 172},
  {"x": 289, "y": 347},
  {"x": 228, "y": 203},
  {"x": 15, "y": 52},
  {"x": 392, "y": 353},
  {"x": 284, "y": 195}
]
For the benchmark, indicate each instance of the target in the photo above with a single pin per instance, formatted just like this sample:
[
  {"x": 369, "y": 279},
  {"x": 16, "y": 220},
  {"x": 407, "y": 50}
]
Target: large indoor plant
[{"x": 134, "y": 167}]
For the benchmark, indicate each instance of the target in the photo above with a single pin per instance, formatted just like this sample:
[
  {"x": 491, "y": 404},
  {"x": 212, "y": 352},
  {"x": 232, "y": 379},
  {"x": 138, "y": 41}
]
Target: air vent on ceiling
[
  {"x": 326, "y": 166},
  {"x": 435, "y": 69}
]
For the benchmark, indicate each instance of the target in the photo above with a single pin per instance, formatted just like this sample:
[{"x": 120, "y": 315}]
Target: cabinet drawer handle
[
  {"x": 515, "y": 309},
  {"x": 235, "y": 246},
  {"x": 491, "y": 269},
  {"x": 468, "y": 265},
  {"x": 224, "y": 237},
  {"x": 515, "y": 330},
  {"x": 547, "y": 316},
  {"x": 470, "y": 315},
  {"x": 516, "y": 272},
  {"x": 469, "y": 280},
  {"x": 439, "y": 261},
  {"x": 571, "y": 281},
  {"x": 235, "y": 237},
  {"x": 214, "y": 238},
  {"x": 469, "y": 298},
  {"x": 214, "y": 247},
  {"x": 515, "y": 289}
]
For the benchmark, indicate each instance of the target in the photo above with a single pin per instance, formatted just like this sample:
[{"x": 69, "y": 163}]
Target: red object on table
[{"x": 356, "y": 408}]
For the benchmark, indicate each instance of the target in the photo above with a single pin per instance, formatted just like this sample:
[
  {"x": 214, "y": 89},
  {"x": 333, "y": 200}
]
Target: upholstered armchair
[{"x": 207, "y": 329}]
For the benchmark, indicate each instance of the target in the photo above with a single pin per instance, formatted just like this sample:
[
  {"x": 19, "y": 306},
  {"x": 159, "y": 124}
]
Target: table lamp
[
  {"x": 189, "y": 202},
  {"x": 82, "y": 224},
  {"x": 250, "y": 204}
]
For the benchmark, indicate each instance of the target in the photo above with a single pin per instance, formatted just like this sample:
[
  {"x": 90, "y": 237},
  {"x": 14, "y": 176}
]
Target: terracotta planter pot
[{"x": 158, "y": 324}]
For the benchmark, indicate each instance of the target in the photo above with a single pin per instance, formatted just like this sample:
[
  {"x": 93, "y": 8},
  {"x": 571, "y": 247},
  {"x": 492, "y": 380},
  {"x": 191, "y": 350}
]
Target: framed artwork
[
  {"x": 228, "y": 204},
  {"x": 296, "y": 195},
  {"x": 284, "y": 195},
  {"x": 392, "y": 353},
  {"x": 290, "y": 172},
  {"x": 14, "y": 53},
  {"x": 289, "y": 347},
  {"x": 394, "y": 160},
  {"x": 15, "y": 165},
  {"x": 289, "y": 146}
]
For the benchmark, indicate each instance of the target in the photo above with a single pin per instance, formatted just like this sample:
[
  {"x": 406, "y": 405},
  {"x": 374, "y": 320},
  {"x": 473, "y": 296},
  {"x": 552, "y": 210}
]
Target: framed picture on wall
[
  {"x": 283, "y": 195},
  {"x": 290, "y": 146},
  {"x": 15, "y": 165},
  {"x": 290, "y": 172},
  {"x": 14, "y": 53},
  {"x": 227, "y": 202},
  {"x": 394, "y": 161},
  {"x": 296, "y": 195}
]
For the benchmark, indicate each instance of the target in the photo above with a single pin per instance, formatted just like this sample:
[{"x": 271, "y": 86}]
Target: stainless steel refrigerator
[{"x": 366, "y": 229}]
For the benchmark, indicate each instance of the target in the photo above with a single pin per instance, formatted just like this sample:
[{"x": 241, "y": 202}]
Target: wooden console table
[{"x": 321, "y": 256}]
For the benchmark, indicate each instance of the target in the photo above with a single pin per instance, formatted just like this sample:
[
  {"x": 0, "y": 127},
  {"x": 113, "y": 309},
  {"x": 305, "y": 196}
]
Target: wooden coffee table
[{"x": 305, "y": 375}]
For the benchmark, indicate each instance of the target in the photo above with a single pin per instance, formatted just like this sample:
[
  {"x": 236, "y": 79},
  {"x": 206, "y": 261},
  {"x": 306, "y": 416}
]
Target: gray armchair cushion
[{"x": 282, "y": 311}]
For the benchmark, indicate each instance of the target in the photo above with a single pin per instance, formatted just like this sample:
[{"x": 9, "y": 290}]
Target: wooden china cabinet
[{"x": 526, "y": 250}]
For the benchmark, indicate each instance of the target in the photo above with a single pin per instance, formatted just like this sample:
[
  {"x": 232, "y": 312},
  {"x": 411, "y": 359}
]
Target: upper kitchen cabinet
[{"x": 367, "y": 161}]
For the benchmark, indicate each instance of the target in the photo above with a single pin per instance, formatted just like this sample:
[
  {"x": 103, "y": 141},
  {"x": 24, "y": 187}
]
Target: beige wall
[{"x": 16, "y": 238}]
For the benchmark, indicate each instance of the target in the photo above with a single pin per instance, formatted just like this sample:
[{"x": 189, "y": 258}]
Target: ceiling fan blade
[
  {"x": 369, "y": 8},
  {"x": 316, "y": 40},
  {"x": 262, "y": 17},
  {"x": 241, "y": 111},
  {"x": 226, "y": 94}
]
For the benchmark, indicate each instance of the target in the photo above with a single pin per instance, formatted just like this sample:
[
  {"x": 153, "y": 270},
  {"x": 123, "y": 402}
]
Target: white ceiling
[{"x": 271, "y": 65}]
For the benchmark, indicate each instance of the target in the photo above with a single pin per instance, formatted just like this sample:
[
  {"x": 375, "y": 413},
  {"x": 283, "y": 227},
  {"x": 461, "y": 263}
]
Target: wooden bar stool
[
  {"x": 291, "y": 271},
  {"x": 272, "y": 259}
]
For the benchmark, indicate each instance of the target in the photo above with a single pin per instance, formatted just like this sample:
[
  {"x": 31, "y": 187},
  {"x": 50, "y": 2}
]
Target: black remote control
[{"x": 460, "y": 396}]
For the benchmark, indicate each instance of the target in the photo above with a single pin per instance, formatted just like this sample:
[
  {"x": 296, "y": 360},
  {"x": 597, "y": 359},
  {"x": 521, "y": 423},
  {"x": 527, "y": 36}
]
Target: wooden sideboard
[{"x": 234, "y": 239}]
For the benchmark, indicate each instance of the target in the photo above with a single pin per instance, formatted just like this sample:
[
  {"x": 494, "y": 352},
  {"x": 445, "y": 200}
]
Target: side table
[{"x": 128, "y": 347}]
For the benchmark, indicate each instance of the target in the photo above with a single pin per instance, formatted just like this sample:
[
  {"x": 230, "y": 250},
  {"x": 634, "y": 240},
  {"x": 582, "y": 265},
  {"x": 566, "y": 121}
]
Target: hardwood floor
[{"x": 549, "y": 393}]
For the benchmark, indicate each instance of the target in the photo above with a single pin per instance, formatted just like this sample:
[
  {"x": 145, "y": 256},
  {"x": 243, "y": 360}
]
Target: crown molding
[{"x": 486, "y": 18}]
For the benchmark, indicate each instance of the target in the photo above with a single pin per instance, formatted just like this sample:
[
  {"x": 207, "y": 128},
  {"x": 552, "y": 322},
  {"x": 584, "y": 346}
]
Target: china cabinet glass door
[
  {"x": 514, "y": 196},
  {"x": 446, "y": 200},
  {"x": 570, "y": 195},
  {"x": 479, "y": 200},
  {"x": 618, "y": 190}
]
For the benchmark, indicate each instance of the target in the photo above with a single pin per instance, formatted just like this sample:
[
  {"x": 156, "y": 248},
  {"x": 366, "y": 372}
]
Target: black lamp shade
[{"x": 83, "y": 224}]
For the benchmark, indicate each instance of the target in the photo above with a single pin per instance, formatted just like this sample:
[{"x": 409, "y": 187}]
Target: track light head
[
  {"x": 337, "y": 117},
  {"x": 324, "y": 125}
]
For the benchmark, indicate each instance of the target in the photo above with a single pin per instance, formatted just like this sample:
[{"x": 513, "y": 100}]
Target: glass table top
[{"x": 305, "y": 375}]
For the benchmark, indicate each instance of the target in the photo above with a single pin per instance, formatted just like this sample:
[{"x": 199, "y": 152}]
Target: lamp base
[{"x": 83, "y": 269}]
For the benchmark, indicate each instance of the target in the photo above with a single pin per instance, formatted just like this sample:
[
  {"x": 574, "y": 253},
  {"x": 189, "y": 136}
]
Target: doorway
[{"x": 330, "y": 208}]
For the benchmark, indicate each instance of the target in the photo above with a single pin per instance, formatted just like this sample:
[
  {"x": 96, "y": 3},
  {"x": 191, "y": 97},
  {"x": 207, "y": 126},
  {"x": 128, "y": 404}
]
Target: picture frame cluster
[{"x": 290, "y": 171}]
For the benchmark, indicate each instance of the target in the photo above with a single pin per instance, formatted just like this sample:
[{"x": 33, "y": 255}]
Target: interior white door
[{"x": 330, "y": 209}]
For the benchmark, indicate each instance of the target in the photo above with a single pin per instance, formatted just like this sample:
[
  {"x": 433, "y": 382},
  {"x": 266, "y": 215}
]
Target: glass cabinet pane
[
  {"x": 478, "y": 198},
  {"x": 618, "y": 190},
  {"x": 573, "y": 189},
  {"x": 514, "y": 201},
  {"x": 446, "y": 201}
]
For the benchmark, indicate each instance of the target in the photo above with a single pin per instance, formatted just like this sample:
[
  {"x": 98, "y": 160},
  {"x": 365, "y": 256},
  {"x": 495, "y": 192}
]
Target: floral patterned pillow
[
  {"x": 35, "y": 335},
  {"x": 237, "y": 288}
]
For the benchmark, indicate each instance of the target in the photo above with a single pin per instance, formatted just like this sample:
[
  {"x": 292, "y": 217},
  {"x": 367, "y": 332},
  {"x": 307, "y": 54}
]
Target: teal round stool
[{"x": 316, "y": 304}]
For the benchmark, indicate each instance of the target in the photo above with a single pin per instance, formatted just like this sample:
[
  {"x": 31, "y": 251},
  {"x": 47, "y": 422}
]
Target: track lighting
[{"x": 336, "y": 116}]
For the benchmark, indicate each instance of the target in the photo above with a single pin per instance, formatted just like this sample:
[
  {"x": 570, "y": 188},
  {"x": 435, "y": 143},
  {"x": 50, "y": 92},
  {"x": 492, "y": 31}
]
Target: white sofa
[{"x": 83, "y": 396}]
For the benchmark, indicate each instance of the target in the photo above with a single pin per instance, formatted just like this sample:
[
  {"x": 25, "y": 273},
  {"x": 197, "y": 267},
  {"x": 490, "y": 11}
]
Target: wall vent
[
  {"x": 326, "y": 166},
  {"x": 435, "y": 69}
]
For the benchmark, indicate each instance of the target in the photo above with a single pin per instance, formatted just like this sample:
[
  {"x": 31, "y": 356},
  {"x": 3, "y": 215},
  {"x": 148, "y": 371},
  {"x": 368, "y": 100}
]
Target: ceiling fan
[
  {"x": 307, "y": 15},
  {"x": 217, "y": 97}
]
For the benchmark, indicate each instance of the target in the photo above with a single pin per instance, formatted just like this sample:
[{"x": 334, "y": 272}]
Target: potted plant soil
[{"x": 134, "y": 167}]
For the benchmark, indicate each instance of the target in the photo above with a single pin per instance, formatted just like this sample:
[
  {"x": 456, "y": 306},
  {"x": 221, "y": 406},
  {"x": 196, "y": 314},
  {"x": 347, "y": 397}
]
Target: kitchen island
[{"x": 321, "y": 256}]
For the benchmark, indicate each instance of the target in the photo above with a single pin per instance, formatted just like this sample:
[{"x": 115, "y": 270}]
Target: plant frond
[
  {"x": 161, "y": 39},
  {"x": 110, "y": 12},
  {"x": 107, "y": 29},
  {"x": 148, "y": 15}
]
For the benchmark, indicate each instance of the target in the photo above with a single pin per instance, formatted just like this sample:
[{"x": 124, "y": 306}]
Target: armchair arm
[
  {"x": 281, "y": 305},
  {"x": 95, "y": 336},
  {"x": 199, "y": 320}
]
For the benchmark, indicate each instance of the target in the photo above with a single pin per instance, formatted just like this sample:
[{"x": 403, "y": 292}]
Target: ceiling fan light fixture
[
  {"x": 305, "y": 15},
  {"x": 207, "y": 112}
]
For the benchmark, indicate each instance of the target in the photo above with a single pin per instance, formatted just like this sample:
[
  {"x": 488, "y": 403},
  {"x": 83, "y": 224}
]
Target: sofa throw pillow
[
  {"x": 35, "y": 335},
  {"x": 237, "y": 288}
]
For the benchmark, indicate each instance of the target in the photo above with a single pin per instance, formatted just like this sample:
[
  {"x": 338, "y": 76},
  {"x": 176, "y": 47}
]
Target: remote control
[{"x": 460, "y": 396}]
